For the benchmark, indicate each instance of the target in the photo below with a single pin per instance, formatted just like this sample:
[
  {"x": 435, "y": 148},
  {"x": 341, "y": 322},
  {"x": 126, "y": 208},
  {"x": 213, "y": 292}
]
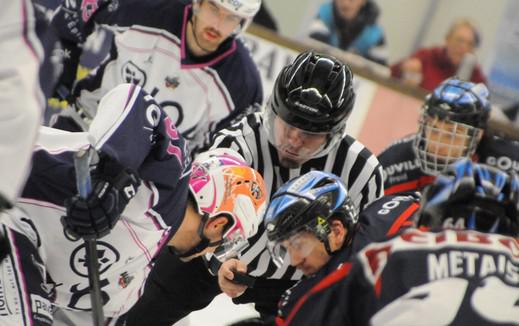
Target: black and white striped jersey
[{"x": 354, "y": 163}]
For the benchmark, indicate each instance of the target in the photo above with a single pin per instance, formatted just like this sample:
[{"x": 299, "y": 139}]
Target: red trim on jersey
[
  {"x": 402, "y": 221},
  {"x": 326, "y": 282},
  {"x": 378, "y": 286},
  {"x": 413, "y": 185}
]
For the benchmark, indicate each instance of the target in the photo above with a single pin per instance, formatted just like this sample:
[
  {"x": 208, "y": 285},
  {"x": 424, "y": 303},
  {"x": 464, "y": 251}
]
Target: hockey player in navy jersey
[
  {"x": 452, "y": 126},
  {"x": 219, "y": 203},
  {"x": 463, "y": 271},
  {"x": 302, "y": 128},
  {"x": 310, "y": 223},
  {"x": 187, "y": 56}
]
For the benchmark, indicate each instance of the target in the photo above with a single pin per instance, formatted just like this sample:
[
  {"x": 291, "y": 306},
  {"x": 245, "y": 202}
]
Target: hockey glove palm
[{"x": 96, "y": 215}]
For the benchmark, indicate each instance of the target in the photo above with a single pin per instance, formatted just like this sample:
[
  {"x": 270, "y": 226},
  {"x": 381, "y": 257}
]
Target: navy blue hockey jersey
[
  {"x": 420, "y": 278},
  {"x": 402, "y": 168}
]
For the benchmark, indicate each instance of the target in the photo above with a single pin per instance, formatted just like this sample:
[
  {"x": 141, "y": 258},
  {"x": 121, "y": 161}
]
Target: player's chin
[
  {"x": 289, "y": 160},
  {"x": 307, "y": 271}
]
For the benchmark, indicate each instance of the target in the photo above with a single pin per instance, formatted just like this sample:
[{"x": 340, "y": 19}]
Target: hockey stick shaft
[{"x": 84, "y": 187}]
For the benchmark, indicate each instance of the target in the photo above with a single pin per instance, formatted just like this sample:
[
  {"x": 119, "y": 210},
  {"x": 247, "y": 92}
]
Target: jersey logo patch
[
  {"x": 125, "y": 279},
  {"x": 131, "y": 73},
  {"x": 172, "y": 82},
  {"x": 106, "y": 254}
]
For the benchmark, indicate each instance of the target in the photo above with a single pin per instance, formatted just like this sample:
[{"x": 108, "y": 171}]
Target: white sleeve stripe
[
  {"x": 372, "y": 186},
  {"x": 351, "y": 158},
  {"x": 256, "y": 249},
  {"x": 364, "y": 175},
  {"x": 330, "y": 161},
  {"x": 263, "y": 264}
]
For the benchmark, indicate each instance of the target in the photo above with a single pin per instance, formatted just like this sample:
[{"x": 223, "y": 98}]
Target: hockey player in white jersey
[
  {"x": 221, "y": 204},
  {"x": 23, "y": 301},
  {"x": 22, "y": 99},
  {"x": 185, "y": 55}
]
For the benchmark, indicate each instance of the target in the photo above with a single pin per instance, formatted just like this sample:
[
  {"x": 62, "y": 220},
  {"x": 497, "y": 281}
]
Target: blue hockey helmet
[{"x": 308, "y": 203}]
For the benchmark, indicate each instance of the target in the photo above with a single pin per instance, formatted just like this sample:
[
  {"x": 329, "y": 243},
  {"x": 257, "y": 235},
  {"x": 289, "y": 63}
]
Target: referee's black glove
[{"x": 96, "y": 215}]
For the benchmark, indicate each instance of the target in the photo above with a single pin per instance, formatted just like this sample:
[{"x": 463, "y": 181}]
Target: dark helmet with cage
[
  {"x": 313, "y": 96},
  {"x": 472, "y": 196},
  {"x": 308, "y": 203},
  {"x": 454, "y": 117}
]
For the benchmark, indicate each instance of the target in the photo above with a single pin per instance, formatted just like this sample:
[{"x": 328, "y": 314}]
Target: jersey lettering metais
[
  {"x": 355, "y": 164},
  {"x": 402, "y": 171},
  {"x": 471, "y": 277},
  {"x": 132, "y": 128},
  {"x": 150, "y": 50}
]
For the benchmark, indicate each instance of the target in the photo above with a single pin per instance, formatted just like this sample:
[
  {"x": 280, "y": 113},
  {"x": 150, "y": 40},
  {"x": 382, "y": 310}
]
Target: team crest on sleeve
[{"x": 131, "y": 73}]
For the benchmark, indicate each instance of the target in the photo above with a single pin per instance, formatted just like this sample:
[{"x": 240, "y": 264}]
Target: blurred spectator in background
[
  {"x": 351, "y": 25},
  {"x": 264, "y": 18},
  {"x": 428, "y": 67}
]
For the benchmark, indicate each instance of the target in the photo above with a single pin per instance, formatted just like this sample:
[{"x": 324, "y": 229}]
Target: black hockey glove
[
  {"x": 95, "y": 216},
  {"x": 73, "y": 21}
]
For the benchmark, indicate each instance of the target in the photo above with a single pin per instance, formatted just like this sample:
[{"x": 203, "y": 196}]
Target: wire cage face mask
[{"x": 441, "y": 142}]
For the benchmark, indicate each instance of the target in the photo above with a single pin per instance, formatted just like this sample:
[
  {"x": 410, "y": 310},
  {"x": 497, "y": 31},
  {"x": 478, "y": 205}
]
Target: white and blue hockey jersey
[
  {"x": 133, "y": 129},
  {"x": 200, "y": 94}
]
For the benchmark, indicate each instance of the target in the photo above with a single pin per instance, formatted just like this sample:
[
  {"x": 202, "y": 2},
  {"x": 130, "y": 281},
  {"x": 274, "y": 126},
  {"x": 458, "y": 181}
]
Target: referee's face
[{"x": 296, "y": 146}]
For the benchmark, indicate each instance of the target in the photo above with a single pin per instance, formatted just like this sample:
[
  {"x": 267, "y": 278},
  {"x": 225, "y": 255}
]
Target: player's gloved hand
[
  {"x": 72, "y": 18},
  {"x": 94, "y": 217},
  {"x": 226, "y": 276}
]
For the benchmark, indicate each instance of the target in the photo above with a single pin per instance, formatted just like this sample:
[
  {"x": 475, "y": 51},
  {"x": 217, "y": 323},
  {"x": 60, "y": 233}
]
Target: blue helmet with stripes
[
  {"x": 307, "y": 203},
  {"x": 452, "y": 122},
  {"x": 472, "y": 196}
]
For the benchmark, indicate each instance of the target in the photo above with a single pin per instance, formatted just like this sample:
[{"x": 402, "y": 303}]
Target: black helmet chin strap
[
  {"x": 328, "y": 249},
  {"x": 347, "y": 241},
  {"x": 202, "y": 245}
]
